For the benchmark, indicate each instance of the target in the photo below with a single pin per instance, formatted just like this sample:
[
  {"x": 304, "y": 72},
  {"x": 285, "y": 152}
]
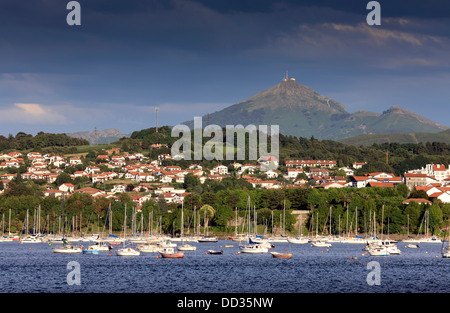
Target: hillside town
[{"x": 125, "y": 172}]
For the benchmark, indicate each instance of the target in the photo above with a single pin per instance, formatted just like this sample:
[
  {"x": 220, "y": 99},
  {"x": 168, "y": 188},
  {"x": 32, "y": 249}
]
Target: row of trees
[
  {"x": 24, "y": 141},
  {"x": 337, "y": 210}
]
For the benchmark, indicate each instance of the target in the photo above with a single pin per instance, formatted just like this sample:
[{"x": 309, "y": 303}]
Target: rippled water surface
[{"x": 342, "y": 268}]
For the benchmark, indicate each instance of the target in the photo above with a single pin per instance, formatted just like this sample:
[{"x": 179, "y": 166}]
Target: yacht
[
  {"x": 127, "y": 252},
  {"x": 300, "y": 240},
  {"x": 383, "y": 248},
  {"x": 101, "y": 246},
  {"x": 149, "y": 247},
  {"x": 208, "y": 239},
  {"x": 67, "y": 248},
  {"x": 320, "y": 243},
  {"x": 187, "y": 247},
  {"x": 253, "y": 248},
  {"x": 171, "y": 253}
]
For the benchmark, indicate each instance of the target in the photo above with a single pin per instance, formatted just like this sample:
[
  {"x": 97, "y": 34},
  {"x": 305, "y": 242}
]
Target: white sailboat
[
  {"x": 446, "y": 251},
  {"x": 300, "y": 239},
  {"x": 67, "y": 248},
  {"x": 253, "y": 248},
  {"x": 320, "y": 244},
  {"x": 8, "y": 238},
  {"x": 426, "y": 238},
  {"x": 184, "y": 246},
  {"x": 126, "y": 251}
]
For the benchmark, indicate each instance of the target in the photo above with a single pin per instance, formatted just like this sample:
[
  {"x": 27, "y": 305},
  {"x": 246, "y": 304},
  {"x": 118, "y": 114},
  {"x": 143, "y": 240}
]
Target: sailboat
[
  {"x": 237, "y": 237},
  {"x": 446, "y": 251},
  {"x": 124, "y": 251},
  {"x": 67, "y": 248},
  {"x": 426, "y": 238},
  {"x": 8, "y": 238},
  {"x": 184, "y": 246},
  {"x": 299, "y": 239},
  {"x": 31, "y": 238}
]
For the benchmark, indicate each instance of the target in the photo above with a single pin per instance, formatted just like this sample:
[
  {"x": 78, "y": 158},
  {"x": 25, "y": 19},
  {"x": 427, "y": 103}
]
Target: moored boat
[
  {"x": 208, "y": 239},
  {"x": 127, "y": 252},
  {"x": 215, "y": 252},
  {"x": 280, "y": 255},
  {"x": 321, "y": 244},
  {"x": 67, "y": 248},
  {"x": 298, "y": 240},
  {"x": 253, "y": 248},
  {"x": 101, "y": 246},
  {"x": 171, "y": 253},
  {"x": 187, "y": 247},
  {"x": 90, "y": 250},
  {"x": 148, "y": 247}
]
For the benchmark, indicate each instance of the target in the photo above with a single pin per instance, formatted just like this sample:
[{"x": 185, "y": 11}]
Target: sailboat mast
[{"x": 182, "y": 221}]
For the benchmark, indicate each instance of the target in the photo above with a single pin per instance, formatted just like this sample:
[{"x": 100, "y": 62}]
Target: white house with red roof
[{"x": 66, "y": 187}]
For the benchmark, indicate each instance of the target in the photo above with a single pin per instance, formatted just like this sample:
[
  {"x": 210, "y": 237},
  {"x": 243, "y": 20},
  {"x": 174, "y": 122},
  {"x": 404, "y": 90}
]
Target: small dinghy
[{"x": 215, "y": 252}]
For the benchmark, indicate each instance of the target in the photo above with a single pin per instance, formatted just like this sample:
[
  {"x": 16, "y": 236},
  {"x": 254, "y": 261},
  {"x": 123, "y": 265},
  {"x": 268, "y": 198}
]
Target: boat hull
[
  {"x": 281, "y": 255},
  {"x": 177, "y": 255},
  {"x": 253, "y": 249},
  {"x": 215, "y": 252},
  {"x": 63, "y": 250},
  {"x": 90, "y": 252},
  {"x": 187, "y": 248},
  {"x": 127, "y": 252}
]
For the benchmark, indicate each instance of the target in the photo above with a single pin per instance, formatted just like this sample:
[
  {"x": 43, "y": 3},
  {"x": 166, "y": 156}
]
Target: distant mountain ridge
[
  {"x": 367, "y": 140},
  {"x": 301, "y": 111},
  {"x": 96, "y": 137}
]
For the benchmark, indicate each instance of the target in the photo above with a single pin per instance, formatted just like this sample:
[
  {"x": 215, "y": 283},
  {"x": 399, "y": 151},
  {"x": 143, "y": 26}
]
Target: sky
[{"x": 193, "y": 57}]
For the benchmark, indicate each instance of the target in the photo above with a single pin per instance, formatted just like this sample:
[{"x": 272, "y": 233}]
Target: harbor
[{"x": 338, "y": 268}]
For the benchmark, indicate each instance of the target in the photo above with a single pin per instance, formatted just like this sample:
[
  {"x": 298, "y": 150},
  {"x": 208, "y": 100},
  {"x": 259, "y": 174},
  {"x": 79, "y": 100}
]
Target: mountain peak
[
  {"x": 290, "y": 94},
  {"x": 301, "y": 111}
]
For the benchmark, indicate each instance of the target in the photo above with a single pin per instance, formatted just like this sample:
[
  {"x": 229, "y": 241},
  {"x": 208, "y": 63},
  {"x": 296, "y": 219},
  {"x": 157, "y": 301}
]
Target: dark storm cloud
[{"x": 205, "y": 54}]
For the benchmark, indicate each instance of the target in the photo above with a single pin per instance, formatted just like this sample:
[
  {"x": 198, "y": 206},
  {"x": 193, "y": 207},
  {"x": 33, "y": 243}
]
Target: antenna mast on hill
[{"x": 156, "y": 110}]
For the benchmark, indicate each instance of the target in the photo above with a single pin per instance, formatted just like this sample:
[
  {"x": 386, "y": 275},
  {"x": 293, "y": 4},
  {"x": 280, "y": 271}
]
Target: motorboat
[
  {"x": 187, "y": 247},
  {"x": 149, "y": 247},
  {"x": 278, "y": 239},
  {"x": 127, "y": 252},
  {"x": 208, "y": 239},
  {"x": 215, "y": 252},
  {"x": 167, "y": 244},
  {"x": 321, "y": 244},
  {"x": 263, "y": 242},
  {"x": 31, "y": 239},
  {"x": 353, "y": 240},
  {"x": 90, "y": 250},
  {"x": 383, "y": 248},
  {"x": 253, "y": 248},
  {"x": 379, "y": 251},
  {"x": 101, "y": 246},
  {"x": 299, "y": 240},
  {"x": 412, "y": 246},
  {"x": 171, "y": 253},
  {"x": 433, "y": 239},
  {"x": 67, "y": 248}
]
